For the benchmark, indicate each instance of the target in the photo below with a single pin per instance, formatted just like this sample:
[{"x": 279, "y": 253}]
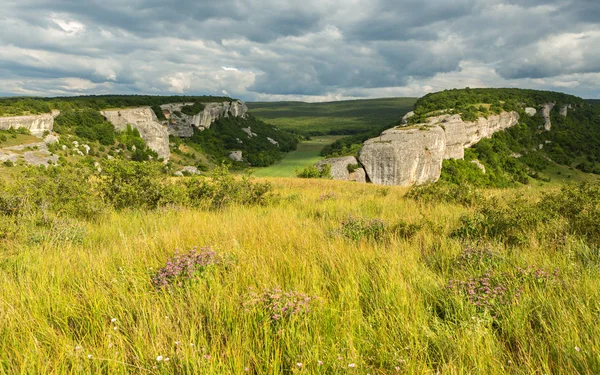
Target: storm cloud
[{"x": 311, "y": 50}]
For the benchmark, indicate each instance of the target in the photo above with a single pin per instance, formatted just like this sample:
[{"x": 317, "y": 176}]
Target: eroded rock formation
[
  {"x": 413, "y": 155},
  {"x": 145, "y": 121},
  {"x": 546, "y": 109},
  {"x": 182, "y": 125}
]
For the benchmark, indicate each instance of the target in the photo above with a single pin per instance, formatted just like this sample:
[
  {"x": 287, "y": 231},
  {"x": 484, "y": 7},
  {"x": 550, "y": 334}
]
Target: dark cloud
[{"x": 315, "y": 48}]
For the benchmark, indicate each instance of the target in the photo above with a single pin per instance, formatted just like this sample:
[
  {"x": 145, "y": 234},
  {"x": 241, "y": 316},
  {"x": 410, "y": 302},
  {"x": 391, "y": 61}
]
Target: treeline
[{"x": 18, "y": 106}]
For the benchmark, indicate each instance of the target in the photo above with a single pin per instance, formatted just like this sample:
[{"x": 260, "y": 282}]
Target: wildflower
[
  {"x": 577, "y": 348},
  {"x": 113, "y": 320},
  {"x": 177, "y": 342},
  {"x": 167, "y": 359},
  {"x": 184, "y": 266},
  {"x": 159, "y": 358},
  {"x": 352, "y": 365},
  {"x": 246, "y": 369},
  {"x": 206, "y": 356},
  {"x": 90, "y": 356},
  {"x": 115, "y": 328},
  {"x": 397, "y": 368},
  {"x": 78, "y": 347},
  {"x": 299, "y": 365},
  {"x": 320, "y": 363}
]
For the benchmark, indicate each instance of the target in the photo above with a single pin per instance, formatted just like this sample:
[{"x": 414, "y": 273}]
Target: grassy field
[
  {"x": 307, "y": 154},
  {"x": 82, "y": 300},
  {"x": 342, "y": 117}
]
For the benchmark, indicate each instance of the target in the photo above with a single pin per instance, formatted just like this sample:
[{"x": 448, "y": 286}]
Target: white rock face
[
  {"x": 407, "y": 116},
  {"x": 530, "y": 111},
  {"x": 479, "y": 165},
  {"x": 272, "y": 141},
  {"x": 144, "y": 120},
  {"x": 546, "y": 109},
  {"x": 236, "y": 156},
  {"x": 339, "y": 169},
  {"x": 214, "y": 111},
  {"x": 413, "y": 155},
  {"x": 404, "y": 157},
  {"x": 182, "y": 125},
  {"x": 564, "y": 110},
  {"x": 37, "y": 125}
]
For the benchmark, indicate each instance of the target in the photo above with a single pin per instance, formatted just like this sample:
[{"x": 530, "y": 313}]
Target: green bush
[{"x": 314, "y": 172}]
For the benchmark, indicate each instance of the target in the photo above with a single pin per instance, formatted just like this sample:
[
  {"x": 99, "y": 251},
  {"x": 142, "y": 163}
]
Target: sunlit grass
[{"x": 382, "y": 306}]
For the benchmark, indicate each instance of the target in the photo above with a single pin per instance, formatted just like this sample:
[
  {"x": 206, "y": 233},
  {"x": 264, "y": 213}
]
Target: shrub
[
  {"x": 357, "y": 229},
  {"x": 314, "y": 172}
]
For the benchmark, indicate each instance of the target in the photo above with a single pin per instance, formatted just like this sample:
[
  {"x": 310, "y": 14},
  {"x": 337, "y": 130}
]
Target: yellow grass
[{"x": 381, "y": 303}]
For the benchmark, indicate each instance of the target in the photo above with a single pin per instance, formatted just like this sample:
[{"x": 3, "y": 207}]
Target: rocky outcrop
[
  {"x": 546, "y": 109},
  {"x": 564, "y": 110},
  {"x": 182, "y": 125},
  {"x": 407, "y": 116},
  {"x": 145, "y": 121},
  {"x": 413, "y": 155},
  {"x": 214, "y": 111},
  {"x": 340, "y": 169},
  {"x": 530, "y": 111},
  {"x": 479, "y": 165},
  {"x": 37, "y": 125},
  {"x": 236, "y": 156},
  {"x": 272, "y": 141}
]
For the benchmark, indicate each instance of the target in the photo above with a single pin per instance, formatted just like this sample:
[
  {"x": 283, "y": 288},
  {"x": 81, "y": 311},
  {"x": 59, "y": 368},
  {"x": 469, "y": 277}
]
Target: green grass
[
  {"x": 342, "y": 117},
  {"x": 307, "y": 154}
]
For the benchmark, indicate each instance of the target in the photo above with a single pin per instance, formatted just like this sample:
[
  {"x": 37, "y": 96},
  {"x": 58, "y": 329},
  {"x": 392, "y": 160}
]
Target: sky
[{"x": 310, "y": 50}]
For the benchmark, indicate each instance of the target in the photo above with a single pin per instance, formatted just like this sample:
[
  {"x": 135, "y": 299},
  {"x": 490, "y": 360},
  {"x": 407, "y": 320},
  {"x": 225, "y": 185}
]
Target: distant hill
[{"x": 332, "y": 118}]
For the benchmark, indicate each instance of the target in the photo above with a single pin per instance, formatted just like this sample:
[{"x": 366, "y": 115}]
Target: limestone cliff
[
  {"x": 37, "y": 125},
  {"x": 145, "y": 121},
  {"x": 182, "y": 125},
  {"x": 413, "y": 155}
]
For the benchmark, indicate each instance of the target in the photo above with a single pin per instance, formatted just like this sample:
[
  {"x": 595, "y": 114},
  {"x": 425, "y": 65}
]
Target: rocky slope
[{"x": 413, "y": 155}]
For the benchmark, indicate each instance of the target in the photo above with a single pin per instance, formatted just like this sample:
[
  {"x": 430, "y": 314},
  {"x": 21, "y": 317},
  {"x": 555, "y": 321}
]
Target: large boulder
[
  {"x": 530, "y": 111},
  {"x": 37, "y": 125},
  {"x": 145, "y": 121},
  {"x": 340, "y": 169}
]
